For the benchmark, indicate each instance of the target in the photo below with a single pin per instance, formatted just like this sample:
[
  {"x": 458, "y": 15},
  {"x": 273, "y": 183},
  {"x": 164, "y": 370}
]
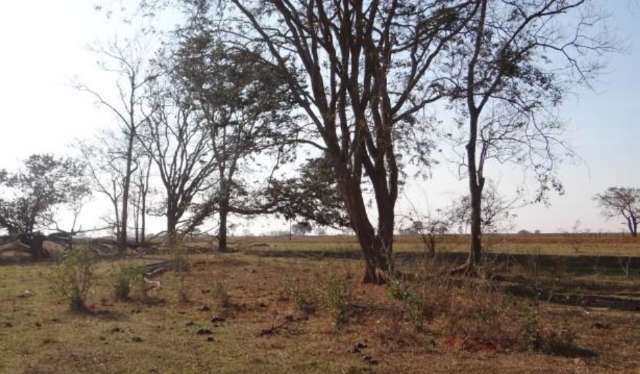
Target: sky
[{"x": 45, "y": 48}]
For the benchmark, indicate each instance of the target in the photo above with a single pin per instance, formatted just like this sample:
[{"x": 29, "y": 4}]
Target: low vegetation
[{"x": 278, "y": 309}]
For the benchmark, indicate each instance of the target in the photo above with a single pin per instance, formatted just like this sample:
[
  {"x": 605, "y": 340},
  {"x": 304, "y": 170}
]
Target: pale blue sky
[{"x": 44, "y": 47}]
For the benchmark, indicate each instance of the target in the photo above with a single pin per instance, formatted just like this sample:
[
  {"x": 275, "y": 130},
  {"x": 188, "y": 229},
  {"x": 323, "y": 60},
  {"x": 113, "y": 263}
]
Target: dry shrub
[
  {"x": 304, "y": 297},
  {"x": 74, "y": 277},
  {"x": 221, "y": 297},
  {"x": 338, "y": 298},
  {"x": 478, "y": 317},
  {"x": 413, "y": 302}
]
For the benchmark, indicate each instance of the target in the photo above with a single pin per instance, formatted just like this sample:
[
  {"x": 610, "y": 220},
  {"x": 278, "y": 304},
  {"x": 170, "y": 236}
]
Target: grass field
[{"x": 547, "y": 303}]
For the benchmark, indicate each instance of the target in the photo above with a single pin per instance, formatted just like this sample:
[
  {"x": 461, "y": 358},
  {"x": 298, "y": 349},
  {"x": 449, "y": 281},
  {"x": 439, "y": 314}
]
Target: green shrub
[
  {"x": 128, "y": 278},
  {"x": 74, "y": 277}
]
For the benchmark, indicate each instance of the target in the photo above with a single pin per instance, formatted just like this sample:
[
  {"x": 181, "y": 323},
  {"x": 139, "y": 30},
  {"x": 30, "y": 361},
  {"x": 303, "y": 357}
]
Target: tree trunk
[
  {"x": 475, "y": 248},
  {"x": 376, "y": 248},
  {"x": 143, "y": 218},
  {"x": 476, "y": 184},
  {"x": 632, "y": 222},
  {"x": 172, "y": 235},
  {"x": 222, "y": 230},
  {"x": 125, "y": 192},
  {"x": 34, "y": 241}
]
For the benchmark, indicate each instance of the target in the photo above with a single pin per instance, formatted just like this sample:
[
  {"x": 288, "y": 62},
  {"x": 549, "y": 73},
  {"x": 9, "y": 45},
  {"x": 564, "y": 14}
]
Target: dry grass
[{"x": 468, "y": 325}]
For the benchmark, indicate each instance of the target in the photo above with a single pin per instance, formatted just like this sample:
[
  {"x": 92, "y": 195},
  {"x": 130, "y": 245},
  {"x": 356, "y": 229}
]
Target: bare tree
[
  {"x": 361, "y": 71},
  {"x": 131, "y": 72},
  {"x": 621, "y": 201},
  {"x": 106, "y": 170},
  {"x": 510, "y": 68}
]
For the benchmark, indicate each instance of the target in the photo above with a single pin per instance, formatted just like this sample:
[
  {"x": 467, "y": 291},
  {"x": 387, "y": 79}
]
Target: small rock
[
  {"x": 38, "y": 324},
  {"x": 204, "y": 308},
  {"x": 116, "y": 329},
  {"x": 210, "y": 339},
  {"x": 205, "y": 291},
  {"x": 102, "y": 338},
  {"x": 8, "y": 324},
  {"x": 204, "y": 332},
  {"x": 26, "y": 293},
  {"x": 136, "y": 339}
]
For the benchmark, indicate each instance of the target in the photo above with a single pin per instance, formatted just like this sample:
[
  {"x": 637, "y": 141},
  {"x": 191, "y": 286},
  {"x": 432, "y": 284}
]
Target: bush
[
  {"x": 128, "y": 278},
  {"x": 74, "y": 277},
  {"x": 304, "y": 298},
  {"x": 338, "y": 299},
  {"x": 413, "y": 304}
]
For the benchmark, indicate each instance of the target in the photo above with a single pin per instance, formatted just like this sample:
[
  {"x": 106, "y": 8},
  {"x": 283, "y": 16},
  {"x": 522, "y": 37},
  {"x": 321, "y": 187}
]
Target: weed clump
[
  {"x": 74, "y": 277},
  {"x": 413, "y": 304},
  {"x": 304, "y": 298},
  {"x": 338, "y": 297}
]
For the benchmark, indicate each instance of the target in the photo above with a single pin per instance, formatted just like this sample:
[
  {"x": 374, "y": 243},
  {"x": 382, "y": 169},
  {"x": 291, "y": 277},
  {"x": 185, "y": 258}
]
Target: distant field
[{"x": 534, "y": 244}]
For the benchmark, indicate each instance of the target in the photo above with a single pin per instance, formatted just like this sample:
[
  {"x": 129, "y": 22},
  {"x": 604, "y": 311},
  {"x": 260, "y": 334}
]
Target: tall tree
[
  {"x": 240, "y": 98},
  {"x": 106, "y": 166},
  {"x": 361, "y": 71},
  {"x": 179, "y": 144},
  {"x": 510, "y": 68},
  {"x": 621, "y": 201},
  {"x": 132, "y": 75}
]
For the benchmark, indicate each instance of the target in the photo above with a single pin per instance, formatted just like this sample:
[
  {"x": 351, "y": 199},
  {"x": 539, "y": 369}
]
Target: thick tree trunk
[{"x": 376, "y": 248}]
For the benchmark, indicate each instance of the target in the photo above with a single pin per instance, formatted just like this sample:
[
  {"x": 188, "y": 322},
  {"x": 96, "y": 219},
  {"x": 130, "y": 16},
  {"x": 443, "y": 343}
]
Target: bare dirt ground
[{"x": 280, "y": 306}]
